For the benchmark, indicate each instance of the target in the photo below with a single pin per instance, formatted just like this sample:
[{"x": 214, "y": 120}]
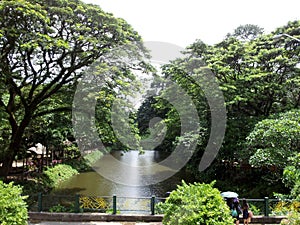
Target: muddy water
[{"x": 92, "y": 183}]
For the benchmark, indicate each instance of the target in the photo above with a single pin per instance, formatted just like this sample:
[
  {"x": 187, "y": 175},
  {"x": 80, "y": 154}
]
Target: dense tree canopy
[
  {"x": 274, "y": 140},
  {"x": 47, "y": 46},
  {"x": 259, "y": 78},
  {"x": 44, "y": 48},
  {"x": 291, "y": 177}
]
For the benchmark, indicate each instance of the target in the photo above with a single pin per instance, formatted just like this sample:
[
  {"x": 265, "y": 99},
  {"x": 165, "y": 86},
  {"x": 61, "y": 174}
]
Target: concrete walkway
[
  {"x": 95, "y": 223},
  {"x": 109, "y": 223}
]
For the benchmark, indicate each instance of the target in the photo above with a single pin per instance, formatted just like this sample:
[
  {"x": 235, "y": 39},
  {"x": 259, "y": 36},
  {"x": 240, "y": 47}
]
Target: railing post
[
  {"x": 152, "y": 205},
  {"x": 40, "y": 201},
  {"x": 114, "y": 204},
  {"x": 267, "y": 206},
  {"x": 77, "y": 205}
]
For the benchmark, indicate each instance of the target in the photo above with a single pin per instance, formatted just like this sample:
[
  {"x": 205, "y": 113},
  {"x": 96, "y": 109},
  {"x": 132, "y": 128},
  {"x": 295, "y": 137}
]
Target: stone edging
[
  {"x": 266, "y": 219},
  {"x": 85, "y": 217}
]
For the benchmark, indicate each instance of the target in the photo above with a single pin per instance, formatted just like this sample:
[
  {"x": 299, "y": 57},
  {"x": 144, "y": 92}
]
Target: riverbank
[{"x": 54, "y": 175}]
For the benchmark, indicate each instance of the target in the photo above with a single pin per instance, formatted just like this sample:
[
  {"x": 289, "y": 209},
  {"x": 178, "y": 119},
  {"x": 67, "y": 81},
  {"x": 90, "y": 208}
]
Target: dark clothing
[
  {"x": 245, "y": 214},
  {"x": 245, "y": 210}
]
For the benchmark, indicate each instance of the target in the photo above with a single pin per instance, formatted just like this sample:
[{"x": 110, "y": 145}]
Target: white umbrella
[{"x": 229, "y": 194}]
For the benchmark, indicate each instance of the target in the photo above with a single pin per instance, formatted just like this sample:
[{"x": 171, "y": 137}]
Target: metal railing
[
  {"x": 121, "y": 204},
  {"x": 80, "y": 203},
  {"x": 262, "y": 206}
]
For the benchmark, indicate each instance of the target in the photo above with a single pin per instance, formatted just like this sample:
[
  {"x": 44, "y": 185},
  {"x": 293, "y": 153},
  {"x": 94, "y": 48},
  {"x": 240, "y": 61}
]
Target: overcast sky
[{"x": 182, "y": 22}]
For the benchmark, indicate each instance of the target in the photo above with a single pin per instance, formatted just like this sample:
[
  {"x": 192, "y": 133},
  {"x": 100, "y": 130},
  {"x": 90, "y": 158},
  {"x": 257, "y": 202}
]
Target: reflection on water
[{"x": 91, "y": 183}]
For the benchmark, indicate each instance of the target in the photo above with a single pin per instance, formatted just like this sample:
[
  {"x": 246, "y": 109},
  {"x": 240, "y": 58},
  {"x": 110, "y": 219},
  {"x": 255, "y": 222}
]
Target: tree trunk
[
  {"x": 6, "y": 166},
  {"x": 14, "y": 148}
]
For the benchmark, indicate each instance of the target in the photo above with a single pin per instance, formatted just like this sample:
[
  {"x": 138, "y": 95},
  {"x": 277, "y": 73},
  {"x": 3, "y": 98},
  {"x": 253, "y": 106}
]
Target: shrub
[
  {"x": 53, "y": 176},
  {"x": 13, "y": 209},
  {"x": 285, "y": 207},
  {"x": 293, "y": 219},
  {"x": 92, "y": 157},
  {"x": 62, "y": 208},
  {"x": 85, "y": 163},
  {"x": 254, "y": 209},
  {"x": 196, "y": 203},
  {"x": 58, "y": 208}
]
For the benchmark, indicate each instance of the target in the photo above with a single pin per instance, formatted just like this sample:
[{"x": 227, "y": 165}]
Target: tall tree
[
  {"x": 246, "y": 32},
  {"x": 44, "y": 46},
  {"x": 258, "y": 75}
]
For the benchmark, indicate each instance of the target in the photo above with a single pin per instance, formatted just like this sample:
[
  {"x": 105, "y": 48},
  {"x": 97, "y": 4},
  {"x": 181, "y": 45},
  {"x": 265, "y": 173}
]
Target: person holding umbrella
[
  {"x": 236, "y": 211},
  {"x": 229, "y": 196},
  {"x": 233, "y": 203}
]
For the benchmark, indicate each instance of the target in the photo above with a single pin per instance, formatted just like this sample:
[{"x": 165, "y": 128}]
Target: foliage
[
  {"x": 53, "y": 128},
  {"x": 254, "y": 209},
  {"x": 293, "y": 218},
  {"x": 71, "y": 151},
  {"x": 45, "y": 47},
  {"x": 259, "y": 78},
  {"x": 291, "y": 178},
  {"x": 61, "y": 208},
  {"x": 92, "y": 157},
  {"x": 247, "y": 32},
  {"x": 53, "y": 176},
  {"x": 275, "y": 139},
  {"x": 12, "y": 205},
  {"x": 285, "y": 207},
  {"x": 84, "y": 163},
  {"x": 196, "y": 204}
]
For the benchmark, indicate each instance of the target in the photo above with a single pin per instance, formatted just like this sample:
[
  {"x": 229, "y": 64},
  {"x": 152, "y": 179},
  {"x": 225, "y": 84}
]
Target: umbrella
[{"x": 229, "y": 194}]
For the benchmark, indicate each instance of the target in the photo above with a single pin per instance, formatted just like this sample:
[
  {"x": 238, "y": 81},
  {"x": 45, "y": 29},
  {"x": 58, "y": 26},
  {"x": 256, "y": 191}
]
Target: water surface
[{"x": 93, "y": 184}]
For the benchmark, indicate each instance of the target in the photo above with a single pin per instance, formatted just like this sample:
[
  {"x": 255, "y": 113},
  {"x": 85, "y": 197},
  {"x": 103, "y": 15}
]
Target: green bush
[
  {"x": 85, "y": 163},
  {"x": 71, "y": 151},
  {"x": 53, "y": 176},
  {"x": 62, "y": 208},
  {"x": 13, "y": 209},
  {"x": 285, "y": 207},
  {"x": 196, "y": 203},
  {"x": 92, "y": 157},
  {"x": 255, "y": 209},
  {"x": 293, "y": 219}
]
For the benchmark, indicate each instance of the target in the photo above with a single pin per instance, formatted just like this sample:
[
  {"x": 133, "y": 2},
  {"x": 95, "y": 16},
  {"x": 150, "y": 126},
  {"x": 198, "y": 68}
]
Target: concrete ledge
[
  {"x": 266, "y": 219},
  {"x": 86, "y": 217}
]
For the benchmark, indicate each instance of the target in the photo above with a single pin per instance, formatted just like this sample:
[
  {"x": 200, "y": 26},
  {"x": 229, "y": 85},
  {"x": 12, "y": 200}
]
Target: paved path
[
  {"x": 108, "y": 223},
  {"x": 95, "y": 223}
]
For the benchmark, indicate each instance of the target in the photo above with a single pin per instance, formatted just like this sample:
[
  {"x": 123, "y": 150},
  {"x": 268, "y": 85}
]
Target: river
[{"x": 94, "y": 184}]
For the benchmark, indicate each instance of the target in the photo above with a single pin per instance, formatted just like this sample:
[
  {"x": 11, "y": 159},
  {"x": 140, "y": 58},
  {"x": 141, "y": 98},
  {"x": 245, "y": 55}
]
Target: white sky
[{"x": 182, "y": 22}]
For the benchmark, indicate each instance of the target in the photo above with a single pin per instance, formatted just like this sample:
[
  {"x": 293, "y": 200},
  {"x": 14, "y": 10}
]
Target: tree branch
[{"x": 46, "y": 112}]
